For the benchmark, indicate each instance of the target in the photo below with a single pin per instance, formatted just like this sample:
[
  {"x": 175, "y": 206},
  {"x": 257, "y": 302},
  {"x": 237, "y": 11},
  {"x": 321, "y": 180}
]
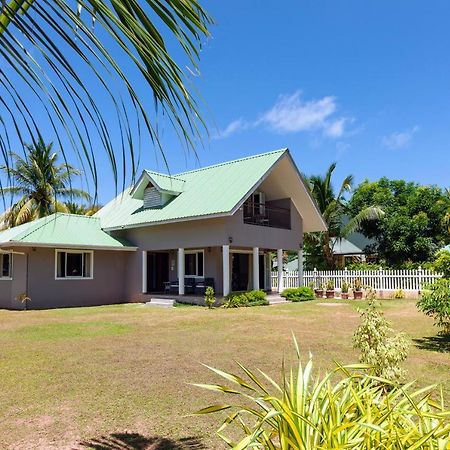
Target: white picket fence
[{"x": 382, "y": 279}]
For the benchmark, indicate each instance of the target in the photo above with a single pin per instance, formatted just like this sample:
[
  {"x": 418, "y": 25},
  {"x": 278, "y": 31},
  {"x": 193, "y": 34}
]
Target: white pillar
[
  {"x": 144, "y": 272},
  {"x": 300, "y": 268},
  {"x": 256, "y": 268},
  {"x": 181, "y": 271},
  {"x": 280, "y": 269},
  {"x": 226, "y": 269}
]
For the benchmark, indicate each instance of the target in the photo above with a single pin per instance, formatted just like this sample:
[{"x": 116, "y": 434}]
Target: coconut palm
[
  {"x": 90, "y": 71},
  {"x": 334, "y": 210},
  {"x": 81, "y": 209},
  {"x": 40, "y": 182}
]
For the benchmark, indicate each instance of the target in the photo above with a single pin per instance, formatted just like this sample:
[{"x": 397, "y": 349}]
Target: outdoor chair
[
  {"x": 202, "y": 284},
  {"x": 189, "y": 286}
]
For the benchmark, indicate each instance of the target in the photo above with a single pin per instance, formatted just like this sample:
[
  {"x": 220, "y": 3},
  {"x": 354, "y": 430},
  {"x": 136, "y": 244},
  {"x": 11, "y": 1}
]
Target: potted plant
[
  {"x": 344, "y": 290},
  {"x": 319, "y": 290},
  {"x": 357, "y": 289},
  {"x": 330, "y": 289}
]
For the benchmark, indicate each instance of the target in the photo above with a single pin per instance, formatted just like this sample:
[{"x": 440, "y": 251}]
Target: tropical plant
[
  {"x": 380, "y": 347},
  {"x": 398, "y": 294},
  {"x": 80, "y": 209},
  {"x": 348, "y": 408},
  {"x": 330, "y": 285},
  {"x": 300, "y": 294},
  {"x": 344, "y": 287},
  {"x": 334, "y": 209},
  {"x": 89, "y": 71},
  {"x": 209, "y": 297},
  {"x": 435, "y": 302},
  {"x": 441, "y": 263},
  {"x": 250, "y": 298},
  {"x": 357, "y": 285},
  {"x": 41, "y": 183}
]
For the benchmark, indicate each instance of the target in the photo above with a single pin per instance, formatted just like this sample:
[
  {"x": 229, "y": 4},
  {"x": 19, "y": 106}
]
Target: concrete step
[
  {"x": 161, "y": 302},
  {"x": 275, "y": 299}
]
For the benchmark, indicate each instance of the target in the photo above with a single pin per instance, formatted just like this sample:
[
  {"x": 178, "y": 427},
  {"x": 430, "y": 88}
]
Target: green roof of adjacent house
[
  {"x": 64, "y": 230},
  {"x": 209, "y": 191}
]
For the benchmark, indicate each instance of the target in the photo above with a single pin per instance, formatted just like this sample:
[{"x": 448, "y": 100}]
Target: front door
[
  {"x": 157, "y": 271},
  {"x": 240, "y": 271}
]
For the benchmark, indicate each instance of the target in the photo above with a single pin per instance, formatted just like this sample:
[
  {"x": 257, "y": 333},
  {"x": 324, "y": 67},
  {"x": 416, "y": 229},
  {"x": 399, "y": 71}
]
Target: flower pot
[
  {"x": 357, "y": 295},
  {"x": 344, "y": 295},
  {"x": 319, "y": 293},
  {"x": 330, "y": 294}
]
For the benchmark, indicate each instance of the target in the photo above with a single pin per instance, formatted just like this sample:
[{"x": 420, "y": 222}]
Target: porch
[{"x": 226, "y": 268}]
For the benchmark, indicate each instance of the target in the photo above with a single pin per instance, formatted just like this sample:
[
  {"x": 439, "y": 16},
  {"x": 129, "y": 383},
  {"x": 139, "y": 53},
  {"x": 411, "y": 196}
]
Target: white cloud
[
  {"x": 399, "y": 139},
  {"x": 292, "y": 114}
]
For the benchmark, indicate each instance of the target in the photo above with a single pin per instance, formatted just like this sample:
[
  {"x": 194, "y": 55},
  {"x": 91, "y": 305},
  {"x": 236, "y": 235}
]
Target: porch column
[
  {"x": 256, "y": 268},
  {"x": 181, "y": 271},
  {"x": 280, "y": 269},
  {"x": 300, "y": 268},
  {"x": 144, "y": 272},
  {"x": 226, "y": 269}
]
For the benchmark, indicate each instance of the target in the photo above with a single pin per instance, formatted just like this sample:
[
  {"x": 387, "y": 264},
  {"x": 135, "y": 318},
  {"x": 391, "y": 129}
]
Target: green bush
[
  {"x": 300, "y": 294},
  {"x": 244, "y": 299},
  {"x": 348, "y": 408},
  {"x": 209, "y": 297},
  {"x": 442, "y": 263},
  {"x": 435, "y": 302},
  {"x": 379, "y": 346}
]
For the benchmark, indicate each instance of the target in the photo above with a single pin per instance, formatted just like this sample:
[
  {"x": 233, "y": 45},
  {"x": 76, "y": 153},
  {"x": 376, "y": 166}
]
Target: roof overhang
[
  {"x": 146, "y": 178},
  {"x": 61, "y": 245}
]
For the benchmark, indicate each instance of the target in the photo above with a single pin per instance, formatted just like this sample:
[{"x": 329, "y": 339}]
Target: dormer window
[{"x": 152, "y": 197}]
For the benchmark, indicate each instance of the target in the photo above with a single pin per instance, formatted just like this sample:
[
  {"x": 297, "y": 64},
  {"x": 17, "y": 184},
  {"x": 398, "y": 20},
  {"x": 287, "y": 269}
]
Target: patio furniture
[
  {"x": 203, "y": 283},
  {"x": 189, "y": 286}
]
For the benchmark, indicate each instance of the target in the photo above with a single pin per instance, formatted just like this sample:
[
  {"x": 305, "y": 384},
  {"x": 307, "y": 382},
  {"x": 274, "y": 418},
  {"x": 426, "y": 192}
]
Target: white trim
[
  {"x": 255, "y": 268},
  {"x": 181, "y": 272},
  {"x": 11, "y": 266},
  {"x": 68, "y": 246},
  {"x": 248, "y": 252},
  {"x": 144, "y": 272},
  {"x": 226, "y": 269},
  {"x": 62, "y": 250},
  {"x": 300, "y": 268},
  {"x": 280, "y": 269},
  {"x": 190, "y": 252}
]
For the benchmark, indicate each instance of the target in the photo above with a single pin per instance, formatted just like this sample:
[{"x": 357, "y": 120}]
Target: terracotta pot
[
  {"x": 330, "y": 294},
  {"x": 319, "y": 293},
  {"x": 357, "y": 295},
  {"x": 344, "y": 295}
]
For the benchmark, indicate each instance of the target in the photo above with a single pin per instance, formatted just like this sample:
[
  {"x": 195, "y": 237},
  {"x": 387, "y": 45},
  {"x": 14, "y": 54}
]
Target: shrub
[
  {"x": 300, "y": 294},
  {"x": 243, "y": 299},
  {"x": 435, "y": 302},
  {"x": 347, "y": 408},
  {"x": 379, "y": 346},
  {"x": 398, "y": 294},
  {"x": 209, "y": 297},
  {"x": 357, "y": 285},
  {"x": 345, "y": 287},
  {"x": 330, "y": 285}
]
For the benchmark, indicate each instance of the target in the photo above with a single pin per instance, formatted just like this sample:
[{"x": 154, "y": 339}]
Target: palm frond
[{"x": 369, "y": 213}]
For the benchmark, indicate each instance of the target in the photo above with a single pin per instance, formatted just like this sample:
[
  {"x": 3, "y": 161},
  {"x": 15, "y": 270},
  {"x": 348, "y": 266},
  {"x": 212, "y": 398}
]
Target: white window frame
[
  {"x": 91, "y": 252},
  {"x": 2, "y": 278},
  {"x": 190, "y": 252}
]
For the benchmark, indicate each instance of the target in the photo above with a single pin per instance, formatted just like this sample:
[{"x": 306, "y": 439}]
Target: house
[{"x": 167, "y": 231}]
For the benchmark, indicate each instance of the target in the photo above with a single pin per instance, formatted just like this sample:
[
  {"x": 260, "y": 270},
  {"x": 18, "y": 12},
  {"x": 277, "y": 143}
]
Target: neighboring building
[{"x": 218, "y": 223}]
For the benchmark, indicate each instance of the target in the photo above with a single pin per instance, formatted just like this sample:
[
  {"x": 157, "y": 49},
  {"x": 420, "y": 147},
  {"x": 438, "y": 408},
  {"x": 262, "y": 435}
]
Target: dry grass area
[{"x": 117, "y": 377}]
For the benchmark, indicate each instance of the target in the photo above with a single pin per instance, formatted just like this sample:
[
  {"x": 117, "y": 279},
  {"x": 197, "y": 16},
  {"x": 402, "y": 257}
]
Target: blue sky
[{"x": 366, "y": 84}]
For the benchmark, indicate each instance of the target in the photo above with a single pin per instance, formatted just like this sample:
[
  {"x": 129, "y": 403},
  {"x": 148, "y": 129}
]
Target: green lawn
[{"x": 118, "y": 376}]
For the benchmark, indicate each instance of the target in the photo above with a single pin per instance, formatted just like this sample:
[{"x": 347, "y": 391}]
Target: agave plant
[{"x": 348, "y": 408}]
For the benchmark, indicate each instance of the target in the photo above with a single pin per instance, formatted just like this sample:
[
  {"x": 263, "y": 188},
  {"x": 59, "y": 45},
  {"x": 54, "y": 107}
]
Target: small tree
[
  {"x": 442, "y": 263},
  {"x": 209, "y": 297},
  {"x": 379, "y": 346},
  {"x": 435, "y": 302}
]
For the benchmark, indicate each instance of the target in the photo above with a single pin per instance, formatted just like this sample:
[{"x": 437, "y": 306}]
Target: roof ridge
[
  {"x": 164, "y": 175},
  {"x": 224, "y": 163}
]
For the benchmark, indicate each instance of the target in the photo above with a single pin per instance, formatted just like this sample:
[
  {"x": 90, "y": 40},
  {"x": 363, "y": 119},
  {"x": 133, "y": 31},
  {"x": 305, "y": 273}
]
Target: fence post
[
  {"x": 380, "y": 280},
  {"x": 420, "y": 279},
  {"x": 315, "y": 278}
]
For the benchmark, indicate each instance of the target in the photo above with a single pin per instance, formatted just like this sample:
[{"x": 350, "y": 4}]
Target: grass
[{"x": 118, "y": 376}]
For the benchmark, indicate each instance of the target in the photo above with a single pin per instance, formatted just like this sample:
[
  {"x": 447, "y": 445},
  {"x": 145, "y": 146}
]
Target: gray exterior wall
[{"x": 106, "y": 287}]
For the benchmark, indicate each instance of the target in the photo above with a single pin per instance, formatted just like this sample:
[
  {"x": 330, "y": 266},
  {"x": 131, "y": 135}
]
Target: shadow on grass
[
  {"x": 135, "y": 441},
  {"x": 440, "y": 343}
]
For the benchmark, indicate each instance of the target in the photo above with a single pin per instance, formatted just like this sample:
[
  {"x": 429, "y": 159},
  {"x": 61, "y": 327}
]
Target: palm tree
[
  {"x": 334, "y": 208},
  {"x": 81, "y": 209},
  {"x": 90, "y": 71},
  {"x": 41, "y": 183}
]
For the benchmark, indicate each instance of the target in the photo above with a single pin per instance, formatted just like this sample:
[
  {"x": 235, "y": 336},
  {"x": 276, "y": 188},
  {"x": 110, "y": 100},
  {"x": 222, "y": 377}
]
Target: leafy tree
[
  {"x": 80, "y": 209},
  {"x": 40, "y": 182},
  {"x": 90, "y": 71},
  {"x": 435, "y": 302},
  {"x": 442, "y": 263},
  {"x": 413, "y": 227},
  {"x": 333, "y": 206}
]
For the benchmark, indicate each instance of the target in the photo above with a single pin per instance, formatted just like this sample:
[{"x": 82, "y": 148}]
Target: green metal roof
[
  {"x": 208, "y": 191},
  {"x": 65, "y": 230},
  {"x": 166, "y": 182},
  {"x": 342, "y": 246}
]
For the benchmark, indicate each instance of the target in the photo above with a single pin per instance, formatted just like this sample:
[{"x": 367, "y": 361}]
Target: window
[
  {"x": 193, "y": 263},
  {"x": 73, "y": 264},
  {"x": 6, "y": 266}
]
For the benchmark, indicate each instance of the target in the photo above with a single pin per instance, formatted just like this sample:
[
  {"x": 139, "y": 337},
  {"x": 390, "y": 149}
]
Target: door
[
  {"x": 240, "y": 271},
  {"x": 157, "y": 271}
]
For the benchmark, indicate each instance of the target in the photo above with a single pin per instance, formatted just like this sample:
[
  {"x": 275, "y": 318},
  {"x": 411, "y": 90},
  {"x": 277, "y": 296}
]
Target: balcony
[{"x": 267, "y": 215}]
